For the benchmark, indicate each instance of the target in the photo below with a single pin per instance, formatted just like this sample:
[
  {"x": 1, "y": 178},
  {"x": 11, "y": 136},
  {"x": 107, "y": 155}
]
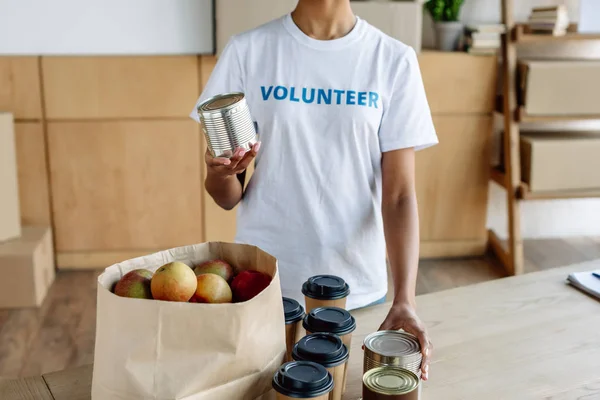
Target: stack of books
[
  {"x": 549, "y": 20},
  {"x": 483, "y": 38}
]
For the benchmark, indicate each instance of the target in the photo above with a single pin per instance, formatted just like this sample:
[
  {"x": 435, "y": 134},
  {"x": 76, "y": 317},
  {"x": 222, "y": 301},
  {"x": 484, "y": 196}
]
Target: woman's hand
[
  {"x": 404, "y": 316},
  {"x": 224, "y": 167}
]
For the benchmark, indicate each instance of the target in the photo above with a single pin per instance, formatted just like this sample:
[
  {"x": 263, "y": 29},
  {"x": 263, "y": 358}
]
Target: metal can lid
[
  {"x": 221, "y": 102},
  {"x": 294, "y": 312},
  {"x": 392, "y": 344},
  {"x": 390, "y": 380}
]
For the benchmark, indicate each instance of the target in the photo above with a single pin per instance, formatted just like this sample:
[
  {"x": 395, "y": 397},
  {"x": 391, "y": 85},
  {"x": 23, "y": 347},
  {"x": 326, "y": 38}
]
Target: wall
[
  {"x": 42, "y": 27},
  {"x": 540, "y": 219}
]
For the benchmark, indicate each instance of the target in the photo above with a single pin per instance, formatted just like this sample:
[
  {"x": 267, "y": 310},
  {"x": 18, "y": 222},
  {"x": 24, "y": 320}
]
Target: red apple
[
  {"x": 211, "y": 288},
  {"x": 248, "y": 284},
  {"x": 174, "y": 281},
  {"x": 219, "y": 267},
  {"x": 135, "y": 284}
]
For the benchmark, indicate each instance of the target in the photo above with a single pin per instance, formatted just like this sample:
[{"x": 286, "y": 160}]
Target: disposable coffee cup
[
  {"x": 331, "y": 320},
  {"x": 325, "y": 291},
  {"x": 294, "y": 314},
  {"x": 302, "y": 380},
  {"x": 329, "y": 351}
]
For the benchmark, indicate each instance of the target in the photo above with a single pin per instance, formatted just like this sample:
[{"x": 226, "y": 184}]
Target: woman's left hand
[{"x": 404, "y": 316}]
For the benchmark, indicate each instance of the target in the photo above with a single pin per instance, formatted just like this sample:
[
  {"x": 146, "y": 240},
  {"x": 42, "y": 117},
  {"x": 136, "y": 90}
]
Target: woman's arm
[
  {"x": 401, "y": 226},
  {"x": 222, "y": 181}
]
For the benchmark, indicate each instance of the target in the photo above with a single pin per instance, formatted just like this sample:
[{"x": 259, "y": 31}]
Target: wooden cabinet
[
  {"x": 459, "y": 83},
  {"x": 32, "y": 170},
  {"x": 452, "y": 187},
  {"x": 120, "y": 87},
  {"x": 20, "y": 89},
  {"x": 126, "y": 185}
]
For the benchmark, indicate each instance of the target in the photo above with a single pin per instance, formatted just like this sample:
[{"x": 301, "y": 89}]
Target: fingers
[
  {"x": 248, "y": 157},
  {"x": 426, "y": 349},
  {"x": 237, "y": 163}
]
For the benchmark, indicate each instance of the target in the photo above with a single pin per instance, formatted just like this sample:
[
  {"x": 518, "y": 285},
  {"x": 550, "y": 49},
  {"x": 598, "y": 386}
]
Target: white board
[{"x": 94, "y": 27}]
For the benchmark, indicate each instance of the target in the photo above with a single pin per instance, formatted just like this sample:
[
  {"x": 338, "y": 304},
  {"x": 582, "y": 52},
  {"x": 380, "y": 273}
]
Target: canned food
[
  {"x": 390, "y": 383},
  {"x": 227, "y": 124},
  {"x": 392, "y": 348}
]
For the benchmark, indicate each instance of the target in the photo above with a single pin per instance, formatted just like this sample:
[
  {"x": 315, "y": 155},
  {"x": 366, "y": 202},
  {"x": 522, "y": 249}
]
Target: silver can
[
  {"x": 227, "y": 124},
  {"x": 392, "y": 349}
]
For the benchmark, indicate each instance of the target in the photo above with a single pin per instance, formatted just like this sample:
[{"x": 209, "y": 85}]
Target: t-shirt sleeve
[
  {"x": 226, "y": 77},
  {"x": 406, "y": 121}
]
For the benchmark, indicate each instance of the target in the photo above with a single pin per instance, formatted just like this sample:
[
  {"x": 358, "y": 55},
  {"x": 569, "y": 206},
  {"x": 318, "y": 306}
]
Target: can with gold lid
[
  {"x": 227, "y": 124},
  {"x": 390, "y": 383}
]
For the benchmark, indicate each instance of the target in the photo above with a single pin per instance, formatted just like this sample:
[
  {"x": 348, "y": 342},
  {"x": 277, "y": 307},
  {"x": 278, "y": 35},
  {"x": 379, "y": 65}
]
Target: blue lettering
[
  {"x": 326, "y": 100},
  {"x": 312, "y": 96},
  {"x": 362, "y": 98},
  {"x": 339, "y": 96},
  {"x": 267, "y": 93},
  {"x": 373, "y": 97},
  {"x": 350, "y": 97},
  {"x": 292, "y": 93},
  {"x": 283, "y": 90}
]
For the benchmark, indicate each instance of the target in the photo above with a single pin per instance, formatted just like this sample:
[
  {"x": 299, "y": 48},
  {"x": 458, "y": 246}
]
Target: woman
[{"x": 341, "y": 109}]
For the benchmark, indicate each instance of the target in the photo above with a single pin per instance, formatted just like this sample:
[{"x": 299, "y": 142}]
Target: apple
[
  {"x": 219, "y": 267},
  {"x": 248, "y": 284},
  {"x": 135, "y": 284},
  {"x": 174, "y": 281},
  {"x": 211, "y": 288}
]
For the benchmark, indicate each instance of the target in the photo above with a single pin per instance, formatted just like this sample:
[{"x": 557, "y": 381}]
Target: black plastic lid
[
  {"x": 326, "y": 349},
  {"x": 330, "y": 319},
  {"x": 326, "y": 287},
  {"x": 302, "y": 379},
  {"x": 293, "y": 310}
]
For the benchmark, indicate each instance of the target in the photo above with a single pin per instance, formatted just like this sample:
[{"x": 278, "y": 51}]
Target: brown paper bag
[{"x": 149, "y": 349}]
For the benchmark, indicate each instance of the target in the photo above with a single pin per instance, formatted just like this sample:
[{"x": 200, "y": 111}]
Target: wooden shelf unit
[
  {"x": 521, "y": 34},
  {"x": 523, "y": 192},
  {"x": 510, "y": 251}
]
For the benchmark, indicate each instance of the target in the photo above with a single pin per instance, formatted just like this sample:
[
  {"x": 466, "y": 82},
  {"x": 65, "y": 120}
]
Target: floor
[{"x": 60, "y": 334}]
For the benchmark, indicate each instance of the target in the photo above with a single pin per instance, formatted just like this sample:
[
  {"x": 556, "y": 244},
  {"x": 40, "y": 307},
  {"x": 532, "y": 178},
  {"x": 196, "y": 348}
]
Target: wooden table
[{"x": 526, "y": 337}]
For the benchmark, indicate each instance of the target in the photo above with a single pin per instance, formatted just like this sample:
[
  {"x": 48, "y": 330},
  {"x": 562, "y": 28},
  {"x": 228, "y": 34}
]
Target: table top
[{"x": 526, "y": 337}]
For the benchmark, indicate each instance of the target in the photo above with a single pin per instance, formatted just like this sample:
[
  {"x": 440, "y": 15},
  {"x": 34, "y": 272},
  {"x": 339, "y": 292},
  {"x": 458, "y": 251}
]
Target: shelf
[
  {"x": 498, "y": 176},
  {"x": 522, "y": 116},
  {"x": 523, "y": 192},
  {"x": 522, "y": 34}
]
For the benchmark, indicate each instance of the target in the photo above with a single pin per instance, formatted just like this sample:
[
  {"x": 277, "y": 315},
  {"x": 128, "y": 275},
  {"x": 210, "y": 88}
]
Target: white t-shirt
[{"x": 326, "y": 111}]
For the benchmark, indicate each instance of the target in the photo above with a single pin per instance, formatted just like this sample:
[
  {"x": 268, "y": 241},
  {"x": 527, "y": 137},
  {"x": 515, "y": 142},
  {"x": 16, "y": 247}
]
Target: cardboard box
[
  {"x": 553, "y": 161},
  {"x": 560, "y": 87},
  {"x": 27, "y": 265},
  {"x": 10, "y": 216}
]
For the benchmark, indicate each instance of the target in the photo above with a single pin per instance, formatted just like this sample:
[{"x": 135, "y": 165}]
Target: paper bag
[{"x": 150, "y": 349}]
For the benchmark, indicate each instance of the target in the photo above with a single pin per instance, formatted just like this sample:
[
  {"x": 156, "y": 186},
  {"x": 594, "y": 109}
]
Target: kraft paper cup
[
  {"x": 302, "y": 380},
  {"x": 328, "y": 350},
  {"x": 325, "y": 291},
  {"x": 331, "y": 320},
  {"x": 294, "y": 314}
]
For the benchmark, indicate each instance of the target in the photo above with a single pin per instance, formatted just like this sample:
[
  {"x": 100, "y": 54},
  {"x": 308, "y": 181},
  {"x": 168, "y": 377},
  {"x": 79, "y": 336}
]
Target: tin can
[
  {"x": 390, "y": 383},
  {"x": 392, "y": 348},
  {"x": 227, "y": 124}
]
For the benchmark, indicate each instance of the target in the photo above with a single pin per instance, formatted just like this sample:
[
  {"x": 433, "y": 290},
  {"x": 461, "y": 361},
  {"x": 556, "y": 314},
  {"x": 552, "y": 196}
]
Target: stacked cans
[
  {"x": 227, "y": 124},
  {"x": 392, "y": 349}
]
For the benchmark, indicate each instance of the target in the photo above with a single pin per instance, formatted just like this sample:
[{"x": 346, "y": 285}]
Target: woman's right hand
[{"x": 224, "y": 167}]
